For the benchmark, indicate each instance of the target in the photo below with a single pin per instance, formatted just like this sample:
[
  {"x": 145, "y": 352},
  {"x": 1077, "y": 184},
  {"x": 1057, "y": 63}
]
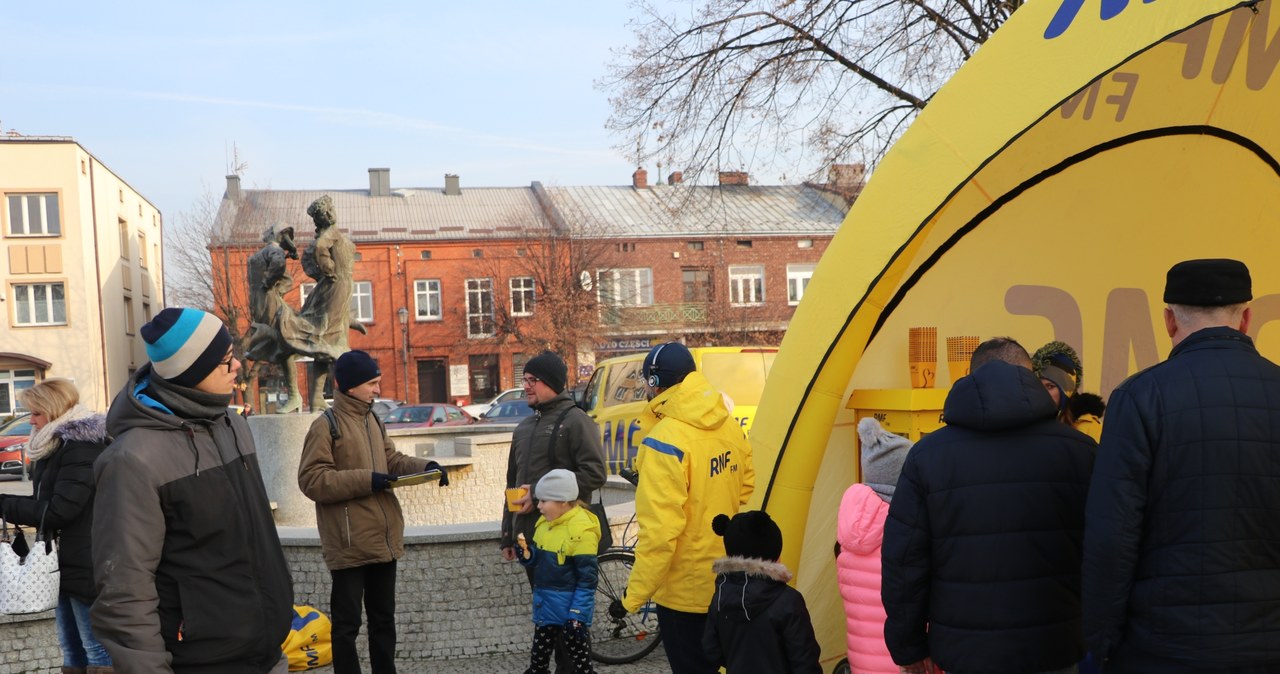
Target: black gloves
[
  {"x": 381, "y": 481},
  {"x": 616, "y": 611},
  {"x": 444, "y": 474}
]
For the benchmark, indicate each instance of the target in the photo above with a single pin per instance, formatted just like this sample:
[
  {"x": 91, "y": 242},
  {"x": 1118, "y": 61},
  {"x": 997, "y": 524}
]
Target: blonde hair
[{"x": 51, "y": 397}]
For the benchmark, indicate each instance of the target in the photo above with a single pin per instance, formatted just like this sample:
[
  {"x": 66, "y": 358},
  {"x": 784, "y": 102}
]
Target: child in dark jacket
[
  {"x": 756, "y": 622},
  {"x": 563, "y": 559}
]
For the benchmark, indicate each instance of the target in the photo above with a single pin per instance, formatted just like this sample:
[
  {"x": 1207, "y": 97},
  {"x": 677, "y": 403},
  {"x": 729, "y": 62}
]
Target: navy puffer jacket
[
  {"x": 1182, "y": 549},
  {"x": 982, "y": 547}
]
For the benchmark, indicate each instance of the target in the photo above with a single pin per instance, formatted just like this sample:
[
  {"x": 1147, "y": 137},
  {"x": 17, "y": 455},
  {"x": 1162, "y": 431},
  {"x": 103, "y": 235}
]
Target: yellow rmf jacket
[{"x": 694, "y": 464}]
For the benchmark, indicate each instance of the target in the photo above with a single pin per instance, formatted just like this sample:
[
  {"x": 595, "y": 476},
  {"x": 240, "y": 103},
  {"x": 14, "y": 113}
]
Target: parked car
[
  {"x": 13, "y": 440},
  {"x": 507, "y": 412},
  {"x": 429, "y": 415},
  {"x": 380, "y": 405},
  {"x": 478, "y": 409}
]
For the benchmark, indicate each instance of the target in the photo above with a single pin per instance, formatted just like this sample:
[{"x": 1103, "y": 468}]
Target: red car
[
  {"x": 13, "y": 439},
  {"x": 429, "y": 415}
]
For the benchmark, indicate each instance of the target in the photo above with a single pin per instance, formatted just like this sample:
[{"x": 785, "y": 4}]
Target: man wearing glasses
[
  {"x": 186, "y": 556},
  {"x": 558, "y": 435}
]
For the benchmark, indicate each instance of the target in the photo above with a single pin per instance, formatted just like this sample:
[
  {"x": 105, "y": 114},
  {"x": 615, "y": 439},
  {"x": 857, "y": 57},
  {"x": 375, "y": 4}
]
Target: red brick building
[{"x": 457, "y": 288}]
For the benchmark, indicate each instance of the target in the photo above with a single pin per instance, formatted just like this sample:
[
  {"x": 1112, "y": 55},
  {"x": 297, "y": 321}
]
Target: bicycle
[{"x": 616, "y": 641}]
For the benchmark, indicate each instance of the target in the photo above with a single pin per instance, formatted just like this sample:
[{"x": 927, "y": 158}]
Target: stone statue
[{"x": 281, "y": 335}]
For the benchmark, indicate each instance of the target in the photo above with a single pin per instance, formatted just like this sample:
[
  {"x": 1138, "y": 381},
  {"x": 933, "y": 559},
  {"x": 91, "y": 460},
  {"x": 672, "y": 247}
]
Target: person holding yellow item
[{"x": 694, "y": 464}]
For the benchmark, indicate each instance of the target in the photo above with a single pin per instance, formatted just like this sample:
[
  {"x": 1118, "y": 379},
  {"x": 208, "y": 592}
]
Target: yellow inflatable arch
[{"x": 1042, "y": 194}]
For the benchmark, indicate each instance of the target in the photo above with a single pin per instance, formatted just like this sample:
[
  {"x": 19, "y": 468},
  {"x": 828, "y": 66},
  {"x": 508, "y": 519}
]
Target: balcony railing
[{"x": 654, "y": 314}]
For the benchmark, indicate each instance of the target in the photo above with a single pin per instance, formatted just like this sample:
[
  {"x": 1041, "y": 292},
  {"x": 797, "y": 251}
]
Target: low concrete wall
[{"x": 30, "y": 644}]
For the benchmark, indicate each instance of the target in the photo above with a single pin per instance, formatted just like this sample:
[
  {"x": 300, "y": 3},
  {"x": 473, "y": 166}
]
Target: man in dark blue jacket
[
  {"x": 1182, "y": 547},
  {"x": 982, "y": 546}
]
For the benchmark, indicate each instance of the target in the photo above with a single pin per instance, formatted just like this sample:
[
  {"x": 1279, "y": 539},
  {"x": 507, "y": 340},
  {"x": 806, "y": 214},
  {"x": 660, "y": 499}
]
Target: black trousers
[
  {"x": 564, "y": 663},
  {"x": 576, "y": 643},
  {"x": 682, "y": 639},
  {"x": 374, "y": 585}
]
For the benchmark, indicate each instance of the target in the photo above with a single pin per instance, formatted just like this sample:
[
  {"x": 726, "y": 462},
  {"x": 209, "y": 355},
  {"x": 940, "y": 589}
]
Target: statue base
[{"x": 279, "y": 439}]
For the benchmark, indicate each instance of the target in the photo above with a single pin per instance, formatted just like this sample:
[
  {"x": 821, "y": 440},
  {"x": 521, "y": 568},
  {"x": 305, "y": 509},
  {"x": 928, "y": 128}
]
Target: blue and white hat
[{"x": 185, "y": 345}]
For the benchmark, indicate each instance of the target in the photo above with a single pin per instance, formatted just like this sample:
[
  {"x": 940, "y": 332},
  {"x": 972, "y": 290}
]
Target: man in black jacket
[
  {"x": 1182, "y": 547},
  {"x": 982, "y": 547}
]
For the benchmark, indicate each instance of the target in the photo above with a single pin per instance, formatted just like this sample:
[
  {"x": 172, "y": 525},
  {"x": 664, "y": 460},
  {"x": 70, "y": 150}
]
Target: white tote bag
[{"x": 28, "y": 584}]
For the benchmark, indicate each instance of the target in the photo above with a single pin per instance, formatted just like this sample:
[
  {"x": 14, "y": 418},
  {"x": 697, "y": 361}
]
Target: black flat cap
[{"x": 1208, "y": 283}]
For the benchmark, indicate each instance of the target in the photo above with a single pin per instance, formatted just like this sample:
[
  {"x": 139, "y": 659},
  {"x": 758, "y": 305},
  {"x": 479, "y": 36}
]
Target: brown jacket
[{"x": 357, "y": 526}]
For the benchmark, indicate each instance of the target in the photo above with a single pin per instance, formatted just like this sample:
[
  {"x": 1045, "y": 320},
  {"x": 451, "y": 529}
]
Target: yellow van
[{"x": 615, "y": 395}]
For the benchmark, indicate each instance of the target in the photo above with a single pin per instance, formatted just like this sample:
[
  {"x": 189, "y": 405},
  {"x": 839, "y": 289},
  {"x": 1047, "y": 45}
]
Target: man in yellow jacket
[{"x": 694, "y": 464}]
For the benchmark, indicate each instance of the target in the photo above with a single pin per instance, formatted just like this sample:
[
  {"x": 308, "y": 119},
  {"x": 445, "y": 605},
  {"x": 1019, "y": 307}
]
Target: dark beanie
[
  {"x": 185, "y": 345},
  {"x": 354, "y": 368},
  {"x": 750, "y": 534},
  {"x": 550, "y": 368},
  {"x": 1208, "y": 283},
  {"x": 667, "y": 365}
]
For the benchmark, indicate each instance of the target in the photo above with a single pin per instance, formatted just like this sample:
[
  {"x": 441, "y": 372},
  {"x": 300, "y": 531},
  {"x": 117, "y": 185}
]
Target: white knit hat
[{"x": 557, "y": 485}]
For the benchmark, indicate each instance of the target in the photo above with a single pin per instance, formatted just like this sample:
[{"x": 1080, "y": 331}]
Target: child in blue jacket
[{"x": 563, "y": 559}]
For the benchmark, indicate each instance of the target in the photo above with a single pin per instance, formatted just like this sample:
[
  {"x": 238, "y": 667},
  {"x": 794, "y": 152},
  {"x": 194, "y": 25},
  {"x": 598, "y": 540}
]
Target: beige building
[{"x": 80, "y": 270}]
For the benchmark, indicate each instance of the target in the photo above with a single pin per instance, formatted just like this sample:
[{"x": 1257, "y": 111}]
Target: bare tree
[{"x": 735, "y": 83}]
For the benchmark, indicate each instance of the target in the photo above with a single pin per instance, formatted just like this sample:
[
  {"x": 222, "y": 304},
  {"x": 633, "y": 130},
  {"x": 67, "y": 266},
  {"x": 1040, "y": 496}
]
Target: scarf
[
  {"x": 44, "y": 441},
  {"x": 188, "y": 403}
]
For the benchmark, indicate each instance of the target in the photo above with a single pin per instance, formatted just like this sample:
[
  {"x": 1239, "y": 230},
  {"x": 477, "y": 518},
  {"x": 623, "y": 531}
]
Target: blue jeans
[{"x": 79, "y": 647}]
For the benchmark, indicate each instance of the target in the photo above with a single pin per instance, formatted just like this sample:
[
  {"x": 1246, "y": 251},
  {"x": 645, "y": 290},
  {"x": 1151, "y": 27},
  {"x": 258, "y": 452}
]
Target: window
[
  {"x": 477, "y": 253},
  {"x": 522, "y": 296},
  {"x": 426, "y": 299},
  {"x": 425, "y": 255},
  {"x": 625, "y": 287},
  {"x": 40, "y": 304},
  {"x": 695, "y": 245},
  {"x": 142, "y": 249},
  {"x": 697, "y": 285},
  {"x": 12, "y": 381},
  {"x": 128, "y": 315},
  {"x": 804, "y": 243},
  {"x": 146, "y": 312},
  {"x": 479, "y": 307},
  {"x": 628, "y": 247},
  {"x": 34, "y": 215},
  {"x": 744, "y": 243},
  {"x": 124, "y": 238},
  {"x": 798, "y": 276},
  {"x": 362, "y": 301},
  {"x": 746, "y": 285}
]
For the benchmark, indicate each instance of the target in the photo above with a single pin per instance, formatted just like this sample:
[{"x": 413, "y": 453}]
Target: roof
[
  {"x": 405, "y": 215},
  {"x": 428, "y": 214},
  {"x": 694, "y": 210}
]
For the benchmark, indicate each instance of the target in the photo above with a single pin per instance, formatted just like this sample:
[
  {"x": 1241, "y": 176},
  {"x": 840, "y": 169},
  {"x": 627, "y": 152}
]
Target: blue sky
[{"x": 313, "y": 94}]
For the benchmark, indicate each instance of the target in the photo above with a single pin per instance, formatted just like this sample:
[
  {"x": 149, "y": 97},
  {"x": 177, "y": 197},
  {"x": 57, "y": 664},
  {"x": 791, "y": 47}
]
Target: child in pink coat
[{"x": 860, "y": 532}]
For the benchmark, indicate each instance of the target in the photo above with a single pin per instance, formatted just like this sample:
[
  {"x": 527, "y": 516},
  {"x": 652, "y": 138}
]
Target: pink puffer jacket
[{"x": 860, "y": 531}]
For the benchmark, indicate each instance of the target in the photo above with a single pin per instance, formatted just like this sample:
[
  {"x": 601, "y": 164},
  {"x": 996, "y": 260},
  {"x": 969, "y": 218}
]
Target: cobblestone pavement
[{"x": 515, "y": 663}]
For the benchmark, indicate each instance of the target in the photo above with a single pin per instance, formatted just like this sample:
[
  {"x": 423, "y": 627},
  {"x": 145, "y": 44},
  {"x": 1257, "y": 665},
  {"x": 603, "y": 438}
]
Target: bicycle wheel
[{"x": 616, "y": 642}]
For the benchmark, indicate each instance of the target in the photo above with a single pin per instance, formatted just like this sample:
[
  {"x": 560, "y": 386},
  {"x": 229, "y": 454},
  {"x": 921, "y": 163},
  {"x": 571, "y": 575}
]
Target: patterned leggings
[{"x": 577, "y": 642}]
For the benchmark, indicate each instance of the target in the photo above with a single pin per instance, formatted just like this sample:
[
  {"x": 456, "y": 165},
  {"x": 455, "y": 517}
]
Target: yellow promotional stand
[
  {"x": 1041, "y": 195},
  {"x": 912, "y": 413}
]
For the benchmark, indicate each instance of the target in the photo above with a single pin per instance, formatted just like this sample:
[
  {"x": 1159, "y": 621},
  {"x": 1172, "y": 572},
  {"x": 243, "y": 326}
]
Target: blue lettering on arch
[{"x": 1069, "y": 9}]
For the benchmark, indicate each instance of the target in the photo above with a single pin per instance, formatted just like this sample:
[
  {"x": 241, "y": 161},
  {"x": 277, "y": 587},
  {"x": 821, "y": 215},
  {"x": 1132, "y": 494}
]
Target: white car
[{"x": 477, "y": 410}]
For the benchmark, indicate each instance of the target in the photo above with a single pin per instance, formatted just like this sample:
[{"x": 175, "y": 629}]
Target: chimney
[
  {"x": 733, "y": 178},
  {"x": 640, "y": 179},
  {"x": 846, "y": 176},
  {"x": 675, "y": 178},
  {"x": 451, "y": 187},
  {"x": 233, "y": 188},
  {"x": 379, "y": 182}
]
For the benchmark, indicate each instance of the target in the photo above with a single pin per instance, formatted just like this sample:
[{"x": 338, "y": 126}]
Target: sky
[{"x": 310, "y": 95}]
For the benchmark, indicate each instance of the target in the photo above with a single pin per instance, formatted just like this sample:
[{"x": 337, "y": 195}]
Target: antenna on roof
[{"x": 235, "y": 166}]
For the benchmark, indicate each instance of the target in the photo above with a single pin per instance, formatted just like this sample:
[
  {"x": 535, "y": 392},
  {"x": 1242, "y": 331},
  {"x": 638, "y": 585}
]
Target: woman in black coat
[{"x": 65, "y": 440}]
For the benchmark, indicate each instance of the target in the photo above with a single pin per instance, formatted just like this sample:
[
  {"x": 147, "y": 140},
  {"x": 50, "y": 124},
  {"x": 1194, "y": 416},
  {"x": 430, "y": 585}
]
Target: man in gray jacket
[
  {"x": 190, "y": 573},
  {"x": 558, "y": 435}
]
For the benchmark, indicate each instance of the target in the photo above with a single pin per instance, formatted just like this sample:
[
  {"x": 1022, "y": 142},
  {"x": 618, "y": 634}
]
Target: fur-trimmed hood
[
  {"x": 746, "y": 588},
  {"x": 88, "y": 429}
]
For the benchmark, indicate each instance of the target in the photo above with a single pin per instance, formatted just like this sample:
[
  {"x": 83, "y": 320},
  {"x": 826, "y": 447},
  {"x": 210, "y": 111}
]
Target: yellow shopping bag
[{"x": 308, "y": 645}]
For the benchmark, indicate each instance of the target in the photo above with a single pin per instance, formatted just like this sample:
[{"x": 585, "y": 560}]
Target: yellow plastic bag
[{"x": 308, "y": 645}]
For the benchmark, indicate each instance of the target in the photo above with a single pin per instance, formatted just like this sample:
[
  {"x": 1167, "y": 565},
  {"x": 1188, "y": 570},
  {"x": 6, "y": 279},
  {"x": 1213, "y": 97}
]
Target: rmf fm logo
[
  {"x": 722, "y": 463},
  {"x": 1069, "y": 9}
]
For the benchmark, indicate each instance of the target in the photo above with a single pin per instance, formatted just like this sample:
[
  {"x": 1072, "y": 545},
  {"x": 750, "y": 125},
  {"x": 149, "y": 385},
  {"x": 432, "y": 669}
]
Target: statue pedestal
[{"x": 279, "y": 439}]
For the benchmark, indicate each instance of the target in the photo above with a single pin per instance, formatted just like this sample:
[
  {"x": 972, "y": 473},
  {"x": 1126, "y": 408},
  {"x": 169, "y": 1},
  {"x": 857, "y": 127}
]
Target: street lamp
[{"x": 403, "y": 313}]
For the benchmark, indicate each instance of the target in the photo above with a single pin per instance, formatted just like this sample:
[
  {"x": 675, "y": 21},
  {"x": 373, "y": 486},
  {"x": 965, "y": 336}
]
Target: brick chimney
[
  {"x": 640, "y": 179},
  {"x": 451, "y": 186},
  {"x": 733, "y": 178},
  {"x": 233, "y": 187},
  {"x": 675, "y": 178},
  {"x": 846, "y": 176},
  {"x": 379, "y": 182}
]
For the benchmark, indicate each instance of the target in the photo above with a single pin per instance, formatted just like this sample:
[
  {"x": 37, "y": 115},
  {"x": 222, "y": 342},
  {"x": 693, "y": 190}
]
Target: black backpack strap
[
  {"x": 333, "y": 423},
  {"x": 555, "y": 431}
]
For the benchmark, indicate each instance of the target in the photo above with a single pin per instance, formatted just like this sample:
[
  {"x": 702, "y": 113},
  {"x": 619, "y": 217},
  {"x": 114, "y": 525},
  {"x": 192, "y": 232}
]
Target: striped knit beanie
[{"x": 185, "y": 345}]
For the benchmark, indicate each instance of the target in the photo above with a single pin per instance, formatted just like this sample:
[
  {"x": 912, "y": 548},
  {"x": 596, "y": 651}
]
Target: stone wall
[{"x": 30, "y": 644}]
